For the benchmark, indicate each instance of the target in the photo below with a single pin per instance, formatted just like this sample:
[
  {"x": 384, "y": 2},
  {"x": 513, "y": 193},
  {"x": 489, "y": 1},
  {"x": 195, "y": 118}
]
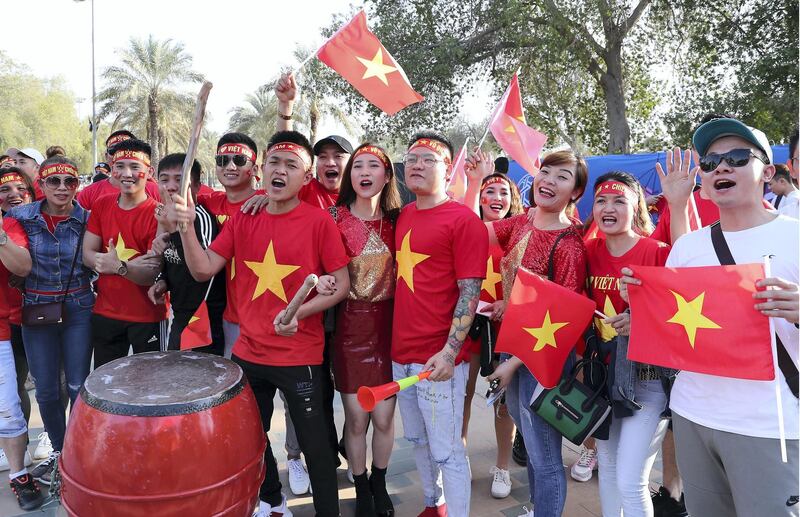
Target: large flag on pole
[
  {"x": 457, "y": 186},
  {"x": 542, "y": 324},
  {"x": 701, "y": 319},
  {"x": 358, "y": 55},
  {"x": 522, "y": 143}
]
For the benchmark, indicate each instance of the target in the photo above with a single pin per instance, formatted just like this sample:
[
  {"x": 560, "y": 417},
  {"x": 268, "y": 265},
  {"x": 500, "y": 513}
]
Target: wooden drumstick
[
  {"x": 299, "y": 297},
  {"x": 194, "y": 140}
]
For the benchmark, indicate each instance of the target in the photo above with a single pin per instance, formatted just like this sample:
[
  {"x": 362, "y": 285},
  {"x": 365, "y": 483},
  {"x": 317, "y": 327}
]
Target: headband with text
[
  {"x": 232, "y": 149},
  {"x": 492, "y": 181},
  {"x": 58, "y": 168},
  {"x": 11, "y": 176},
  {"x": 376, "y": 152},
  {"x": 435, "y": 146},
  {"x": 289, "y": 147},
  {"x": 114, "y": 140},
  {"x": 616, "y": 188},
  {"x": 127, "y": 154}
]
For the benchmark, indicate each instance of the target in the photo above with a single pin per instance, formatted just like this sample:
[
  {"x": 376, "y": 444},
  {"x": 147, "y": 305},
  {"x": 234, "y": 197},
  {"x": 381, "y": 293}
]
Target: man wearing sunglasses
[
  {"x": 727, "y": 429},
  {"x": 118, "y": 238},
  {"x": 105, "y": 186},
  {"x": 235, "y": 166}
]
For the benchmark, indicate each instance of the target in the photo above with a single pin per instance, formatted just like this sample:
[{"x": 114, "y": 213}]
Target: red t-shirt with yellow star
[
  {"x": 216, "y": 202},
  {"x": 491, "y": 291},
  {"x": 133, "y": 232},
  {"x": 435, "y": 248},
  {"x": 315, "y": 194},
  {"x": 269, "y": 271},
  {"x": 8, "y": 294},
  {"x": 605, "y": 272},
  {"x": 88, "y": 196}
]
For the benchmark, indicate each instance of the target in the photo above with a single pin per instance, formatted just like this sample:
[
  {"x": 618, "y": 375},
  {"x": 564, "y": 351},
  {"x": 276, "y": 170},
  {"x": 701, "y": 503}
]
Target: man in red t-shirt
[
  {"x": 274, "y": 251},
  {"x": 442, "y": 250},
  {"x": 118, "y": 238}
]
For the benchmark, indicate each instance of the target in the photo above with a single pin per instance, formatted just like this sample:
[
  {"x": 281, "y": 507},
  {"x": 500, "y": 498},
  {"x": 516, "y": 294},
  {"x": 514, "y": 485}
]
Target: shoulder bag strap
[
  {"x": 551, "y": 267},
  {"x": 75, "y": 257},
  {"x": 785, "y": 362}
]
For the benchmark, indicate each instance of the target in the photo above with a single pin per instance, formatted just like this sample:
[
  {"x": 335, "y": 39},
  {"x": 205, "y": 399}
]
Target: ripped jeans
[
  {"x": 12, "y": 421},
  {"x": 432, "y": 414}
]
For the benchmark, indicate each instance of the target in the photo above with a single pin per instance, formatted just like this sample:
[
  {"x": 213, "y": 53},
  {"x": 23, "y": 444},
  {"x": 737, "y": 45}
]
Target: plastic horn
[
  {"x": 369, "y": 397},
  {"x": 300, "y": 296},
  {"x": 194, "y": 140}
]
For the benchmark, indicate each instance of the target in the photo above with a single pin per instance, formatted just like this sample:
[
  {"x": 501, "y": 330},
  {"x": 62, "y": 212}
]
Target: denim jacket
[{"x": 52, "y": 254}]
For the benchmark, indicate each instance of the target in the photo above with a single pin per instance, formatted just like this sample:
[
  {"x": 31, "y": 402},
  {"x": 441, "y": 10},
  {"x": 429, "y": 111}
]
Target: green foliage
[{"x": 38, "y": 113}]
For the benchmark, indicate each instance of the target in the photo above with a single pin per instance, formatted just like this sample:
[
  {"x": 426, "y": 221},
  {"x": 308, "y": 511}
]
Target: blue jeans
[
  {"x": 47, "y": 347},
  {"x": 12, "y": 421},
  {"x": 546, "y": 478},
  {"x": 433, "y": 413}
]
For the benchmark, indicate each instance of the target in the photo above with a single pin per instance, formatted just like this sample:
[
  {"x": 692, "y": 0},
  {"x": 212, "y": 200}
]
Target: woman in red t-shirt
[
  {"x": 366, "y": 212},
  {"x": 620, "y": 213}
]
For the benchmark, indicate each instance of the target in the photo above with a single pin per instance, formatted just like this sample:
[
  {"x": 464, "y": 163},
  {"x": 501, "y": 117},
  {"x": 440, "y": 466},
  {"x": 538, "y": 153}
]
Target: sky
[{"x": 238, "y": 45}]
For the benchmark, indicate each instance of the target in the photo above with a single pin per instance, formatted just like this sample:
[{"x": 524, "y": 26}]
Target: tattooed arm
[{"x": 443, "y": 363}]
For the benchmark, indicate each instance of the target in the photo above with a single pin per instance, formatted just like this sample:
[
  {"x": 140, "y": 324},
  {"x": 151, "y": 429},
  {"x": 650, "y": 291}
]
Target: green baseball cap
[{"x": 717, "y": 128}]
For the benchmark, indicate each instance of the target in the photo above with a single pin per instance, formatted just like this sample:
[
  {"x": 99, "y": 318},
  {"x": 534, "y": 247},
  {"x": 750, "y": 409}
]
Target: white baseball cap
[{"x": 30, "y": 152}]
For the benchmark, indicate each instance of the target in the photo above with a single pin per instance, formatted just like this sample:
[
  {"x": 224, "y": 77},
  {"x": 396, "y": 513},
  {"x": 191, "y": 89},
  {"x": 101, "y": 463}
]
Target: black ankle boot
[
  {"x": 365, "y": 507},
  {"x": 383, "y": 503}
]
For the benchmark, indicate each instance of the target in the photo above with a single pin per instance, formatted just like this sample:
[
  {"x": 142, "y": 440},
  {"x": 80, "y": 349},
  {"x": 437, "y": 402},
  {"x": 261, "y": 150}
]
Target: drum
[{"x": 163, "y": 434}]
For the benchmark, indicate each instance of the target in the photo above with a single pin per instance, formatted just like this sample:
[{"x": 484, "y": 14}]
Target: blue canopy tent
[{"x": 643, "y": 166}]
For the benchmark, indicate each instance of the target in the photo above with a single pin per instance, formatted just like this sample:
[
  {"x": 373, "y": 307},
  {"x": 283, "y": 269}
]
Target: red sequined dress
[{"x": 363, "y": 336}]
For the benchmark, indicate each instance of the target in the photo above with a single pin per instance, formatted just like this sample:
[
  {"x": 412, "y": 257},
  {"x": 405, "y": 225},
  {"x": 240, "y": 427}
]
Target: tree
[
  {"x": 38, "y": 113},
  {"x": 145, "y": 92}
]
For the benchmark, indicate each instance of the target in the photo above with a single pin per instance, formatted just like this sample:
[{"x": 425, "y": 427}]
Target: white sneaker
[
  {"x": 43, "y": 448},
  {"x": 265, "y": 510},
  {"x": 298, "y": 477},
  {"x": 501, "y": 482},
  {"x": 587, "y": 462},
  {"x": 4, "y": 460},
  {"x": 528, "y": 513}
]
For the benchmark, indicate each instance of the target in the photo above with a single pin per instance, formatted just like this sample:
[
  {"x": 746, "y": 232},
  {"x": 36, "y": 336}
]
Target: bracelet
[{"x": 285, "y": 117}]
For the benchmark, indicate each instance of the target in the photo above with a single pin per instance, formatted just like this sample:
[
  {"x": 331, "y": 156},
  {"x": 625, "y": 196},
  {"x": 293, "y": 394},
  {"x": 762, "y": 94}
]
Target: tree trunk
[
  {"x": 152, "y": 128},
  {"x": 612, "y": 82}
]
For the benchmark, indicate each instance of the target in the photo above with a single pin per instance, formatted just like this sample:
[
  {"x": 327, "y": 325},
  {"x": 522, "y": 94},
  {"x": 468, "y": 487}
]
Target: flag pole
[
  {"x": 453, "y": 172},
  {"x": 777, "y": 381},
  {"x": 303, "y": 63}
]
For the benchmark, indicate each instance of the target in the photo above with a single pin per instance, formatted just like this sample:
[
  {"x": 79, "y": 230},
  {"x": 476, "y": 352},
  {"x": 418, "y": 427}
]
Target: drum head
[{"x": 163, "y": 384}]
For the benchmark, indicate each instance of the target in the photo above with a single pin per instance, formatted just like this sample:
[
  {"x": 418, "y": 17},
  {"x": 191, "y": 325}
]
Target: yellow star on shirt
[
  {"x": 607, "y": 332},
  {"x": 376, "y": 67},
  {"x": 489, "y": 284},
  {"x": 690, "y": 316},
  {"x": 270, "y": 274},
  {"x": 123, "y": 252},
  {"x": 546, "y": 334},
  {"x": 407, "y": 260}
]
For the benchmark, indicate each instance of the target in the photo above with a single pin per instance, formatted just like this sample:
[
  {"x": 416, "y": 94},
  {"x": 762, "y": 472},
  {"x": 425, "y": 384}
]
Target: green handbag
[{"x": 572, "y": 408}]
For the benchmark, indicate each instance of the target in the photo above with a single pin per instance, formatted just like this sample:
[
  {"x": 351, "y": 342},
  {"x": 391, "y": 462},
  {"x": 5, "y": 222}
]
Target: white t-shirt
[
  {"x": 790, "y": 205},
  {"x": 736, "y": 405}
]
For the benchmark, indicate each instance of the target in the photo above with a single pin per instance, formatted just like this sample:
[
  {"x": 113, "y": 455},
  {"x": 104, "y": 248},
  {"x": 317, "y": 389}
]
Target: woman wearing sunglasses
[{"x": 54, "y": 228}]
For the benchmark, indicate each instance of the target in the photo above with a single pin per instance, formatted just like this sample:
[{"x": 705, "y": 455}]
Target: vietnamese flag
[
  {"x": 542, "y": 323},
  {"x": 701, "y": 319},
  {"x": 358, "y": 55},
  {"x": 457, "y": 185},
  {"x": 198, "y": 331},
  {"x": 522, "y": 143}
]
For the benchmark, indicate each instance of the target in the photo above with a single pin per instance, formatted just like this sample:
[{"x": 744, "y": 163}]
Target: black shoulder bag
[
  {"x": 785, "y": 363},
  {"x": 40, "y": 314}
]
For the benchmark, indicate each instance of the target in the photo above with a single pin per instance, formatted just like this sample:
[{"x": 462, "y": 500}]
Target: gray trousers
[
  {"x": 733, "y": 475},
  {"x": 231, "y": 331}
]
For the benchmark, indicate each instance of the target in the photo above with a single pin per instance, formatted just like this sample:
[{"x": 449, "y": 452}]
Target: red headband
[
  {"x": 127, "y": 154},
  {"x": 375, "y": 151},
  {"x": 289, "y": 147},
  {"x": 435, "y": 146},
  {"x": 492, "y": 181},
  {"x": 6, "y": 160},
  {"x": 58, "y": 168},
  {"x": 11, "y": 176},
  {"x": 616, "y": 188},
  {"x": 114, "y": 140},
  {"x": 237, "y": 149}
]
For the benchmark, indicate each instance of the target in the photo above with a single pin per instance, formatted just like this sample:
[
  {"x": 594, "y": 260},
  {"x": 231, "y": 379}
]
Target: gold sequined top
[{"x": 370, "y": 245}]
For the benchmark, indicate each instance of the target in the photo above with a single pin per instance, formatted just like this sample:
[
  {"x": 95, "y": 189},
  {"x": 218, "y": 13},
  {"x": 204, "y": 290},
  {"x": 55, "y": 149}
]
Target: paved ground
[{"x": 403, "y": 481}]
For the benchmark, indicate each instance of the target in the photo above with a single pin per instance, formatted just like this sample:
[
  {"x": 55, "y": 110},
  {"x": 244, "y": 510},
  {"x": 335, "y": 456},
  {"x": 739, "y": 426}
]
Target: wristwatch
[
  {"x": 122, "y": 270},
  {"x": 285, "y": 117},
  {"x": 3, "y": 239}
]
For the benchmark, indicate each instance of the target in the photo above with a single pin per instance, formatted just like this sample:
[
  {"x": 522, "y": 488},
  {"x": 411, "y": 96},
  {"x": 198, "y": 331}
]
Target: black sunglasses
[
  {"x": 734, "y": 158},
  {"x": 54, "y": 182},
  {"x": 223, "y": 160}
]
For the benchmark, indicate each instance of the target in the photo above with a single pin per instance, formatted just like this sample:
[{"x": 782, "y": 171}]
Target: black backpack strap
[
  {"x": 785, "y": 363},
  {"x": 551, "y": 267},
  {"x": 778, "y": 200}
]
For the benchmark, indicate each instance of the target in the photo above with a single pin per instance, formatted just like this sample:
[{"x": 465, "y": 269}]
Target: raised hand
[
  {"x": 478, "y": 165},
  {"x": 179, "y": 211},
  {"x": 286, "y": 89},
  {"x": 678, "y": 182}
]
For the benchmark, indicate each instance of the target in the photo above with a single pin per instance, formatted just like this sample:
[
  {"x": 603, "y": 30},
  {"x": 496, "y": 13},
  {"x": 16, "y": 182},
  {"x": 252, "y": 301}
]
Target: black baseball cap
[
  {"x": 339, "y": 141},
  {"x": 103, "y": 165}
]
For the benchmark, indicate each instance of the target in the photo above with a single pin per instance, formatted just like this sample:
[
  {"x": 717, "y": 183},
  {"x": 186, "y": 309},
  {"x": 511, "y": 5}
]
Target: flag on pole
[
  {"x": 700, "y": 319},
  {"x": 542, "y": 323},
  {"x": 457, "y": 186},
  {"x": 198, "y": 331},
  {"x": 358, "y": 56},
  {"x": 522, "y": 143}
]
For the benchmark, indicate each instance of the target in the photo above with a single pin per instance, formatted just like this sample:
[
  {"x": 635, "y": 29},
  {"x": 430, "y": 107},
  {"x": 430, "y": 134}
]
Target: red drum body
[{"x": 163, "y": 434}]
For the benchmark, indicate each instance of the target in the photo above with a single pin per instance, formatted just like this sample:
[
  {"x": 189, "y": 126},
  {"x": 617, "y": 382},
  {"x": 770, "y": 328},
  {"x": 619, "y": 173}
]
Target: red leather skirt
[{"x": 362, "y": 345}]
